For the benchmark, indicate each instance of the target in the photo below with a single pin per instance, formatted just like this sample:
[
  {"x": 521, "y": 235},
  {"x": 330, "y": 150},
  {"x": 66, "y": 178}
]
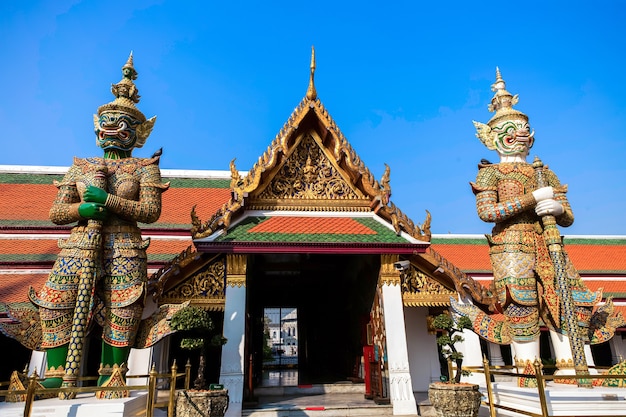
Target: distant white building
[{"x": 282, "y": 324}]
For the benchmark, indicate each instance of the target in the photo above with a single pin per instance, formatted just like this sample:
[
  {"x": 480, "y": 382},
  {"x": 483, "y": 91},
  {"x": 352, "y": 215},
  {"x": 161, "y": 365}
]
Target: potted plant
[
  {"x": 451, "y": 397},
  {"x": 197, "y": 327}
]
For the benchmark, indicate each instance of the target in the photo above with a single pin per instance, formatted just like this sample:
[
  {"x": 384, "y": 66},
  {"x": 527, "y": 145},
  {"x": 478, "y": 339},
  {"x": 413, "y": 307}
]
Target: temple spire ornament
[{"x": 311, "y": 94}]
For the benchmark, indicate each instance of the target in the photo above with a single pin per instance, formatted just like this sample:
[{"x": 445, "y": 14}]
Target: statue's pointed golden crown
[
  {"x": 126, "y": 93},
  {"x": 502, "y": 103}
]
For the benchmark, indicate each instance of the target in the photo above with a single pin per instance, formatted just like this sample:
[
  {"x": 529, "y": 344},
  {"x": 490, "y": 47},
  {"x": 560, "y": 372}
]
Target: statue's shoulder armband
[
  {"x": 476, "y": 188},
  {"x": 70, "y": 177},
  {"x": 486, "y": 180},
  {"x": 144, "y": 162},
  {"x": 151, "y": 174}
]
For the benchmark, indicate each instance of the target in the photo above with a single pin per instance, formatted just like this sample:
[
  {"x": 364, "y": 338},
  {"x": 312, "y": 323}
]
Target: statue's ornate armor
[
  {"x": 524, "y": 276},
  {"x": 134, "y": 186}
]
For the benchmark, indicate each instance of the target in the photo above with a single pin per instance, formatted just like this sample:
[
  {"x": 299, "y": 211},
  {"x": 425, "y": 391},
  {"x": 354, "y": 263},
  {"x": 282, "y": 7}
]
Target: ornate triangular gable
[
  {"x": 306, "y": 177},
  {"x": 309, "y": 166}
]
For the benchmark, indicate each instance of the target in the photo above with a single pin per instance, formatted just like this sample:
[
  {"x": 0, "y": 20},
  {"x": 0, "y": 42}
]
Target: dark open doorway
[{"x": 333, "y": 296}]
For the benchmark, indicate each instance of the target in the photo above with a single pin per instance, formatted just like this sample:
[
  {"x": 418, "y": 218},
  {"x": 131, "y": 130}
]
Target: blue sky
[{"x": 402, "y": 79}]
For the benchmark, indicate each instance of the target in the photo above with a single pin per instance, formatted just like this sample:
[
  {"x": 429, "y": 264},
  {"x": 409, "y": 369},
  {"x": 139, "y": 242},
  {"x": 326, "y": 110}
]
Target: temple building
[{"x": 309, "y": 230}]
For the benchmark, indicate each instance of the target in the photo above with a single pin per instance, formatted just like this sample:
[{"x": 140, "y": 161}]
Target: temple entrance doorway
[
  {"x": 331, "y": 297},
  {"x": 280, "y": 347}
]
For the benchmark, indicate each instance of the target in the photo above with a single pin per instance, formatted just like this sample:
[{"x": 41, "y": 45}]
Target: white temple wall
[
  {"x": 618, "y": 348},
  {"x": 422, "y": 347},
  {"x": 472, "y": 356},
  {"x": 140, "y": 361}
]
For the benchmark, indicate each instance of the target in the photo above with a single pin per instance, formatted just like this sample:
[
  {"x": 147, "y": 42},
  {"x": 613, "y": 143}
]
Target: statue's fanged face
[
  {"x": 513, "y": 137},
  {"x": 116, "y": 130}
]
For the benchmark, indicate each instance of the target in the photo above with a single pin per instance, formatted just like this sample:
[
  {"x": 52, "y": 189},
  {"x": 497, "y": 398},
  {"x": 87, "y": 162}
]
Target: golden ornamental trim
[
  {"x": 236, "y": 281},
  {"x": 320, "y": 205},
  {"x": 209, "y": 304},
  {"x": 565, "y": 364},
  {"x": 236, "y": 267},
  {"x": 389, "y": 275},
  {"x": 236, "y": 264},
  {"x": 415, "y": 281},
  {"x": 156, "y": 282},
  {"x": 425, "y": 300},
  {"x": 206, "y": 284},
  {"x": 402, "y": 223}
]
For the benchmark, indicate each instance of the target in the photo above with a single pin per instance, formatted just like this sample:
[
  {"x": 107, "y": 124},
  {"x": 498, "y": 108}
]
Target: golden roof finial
[{"x": 311, "y": 94}]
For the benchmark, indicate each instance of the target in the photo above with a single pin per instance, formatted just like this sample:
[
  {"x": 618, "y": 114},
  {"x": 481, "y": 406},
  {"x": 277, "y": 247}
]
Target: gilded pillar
[
  {"x": 233, "y": 361},
  {"x": 400, "y": 385}
]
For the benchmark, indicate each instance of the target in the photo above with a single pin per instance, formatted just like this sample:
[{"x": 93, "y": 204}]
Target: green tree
[
  {"x": 198, "y": 330},
  {"x": 449, "y": 338}
]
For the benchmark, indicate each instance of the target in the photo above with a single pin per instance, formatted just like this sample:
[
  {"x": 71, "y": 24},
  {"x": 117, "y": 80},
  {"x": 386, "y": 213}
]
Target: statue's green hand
[
  {"x": 93, "y": 211},
  {"x": 95, "y": 195}
]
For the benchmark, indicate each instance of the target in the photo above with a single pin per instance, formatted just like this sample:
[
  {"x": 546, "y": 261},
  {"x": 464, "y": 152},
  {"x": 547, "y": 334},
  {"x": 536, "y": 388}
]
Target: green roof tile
[
  {"x": 29, "y": 178},
  {"x": 240, "y": 233},
  {"x": 197, "y": 183}
]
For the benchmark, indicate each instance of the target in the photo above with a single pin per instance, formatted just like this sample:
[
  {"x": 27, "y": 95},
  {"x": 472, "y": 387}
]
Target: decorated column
[
  {"x": 400, "y": 386},
  {"x": 232, "y": 368}
]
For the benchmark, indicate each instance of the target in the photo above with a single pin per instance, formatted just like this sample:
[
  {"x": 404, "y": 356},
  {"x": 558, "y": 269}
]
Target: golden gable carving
[
  {"x": 308, "y": 174},
  {"x": 206, "y": 284},
  {"x": 418, "y": 289}
]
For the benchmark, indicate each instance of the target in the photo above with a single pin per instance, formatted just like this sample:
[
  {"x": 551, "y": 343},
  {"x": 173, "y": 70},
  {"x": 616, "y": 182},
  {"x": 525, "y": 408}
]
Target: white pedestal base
[
  {"x": 562, "y": 400},
  {"x": 84, "y": 405}
]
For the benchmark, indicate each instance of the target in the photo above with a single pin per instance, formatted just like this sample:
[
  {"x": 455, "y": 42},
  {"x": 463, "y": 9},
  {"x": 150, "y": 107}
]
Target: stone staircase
[{"x": 323, "y": 400}]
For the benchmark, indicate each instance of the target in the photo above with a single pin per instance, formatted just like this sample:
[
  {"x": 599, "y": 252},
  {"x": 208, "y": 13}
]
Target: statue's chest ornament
[
  {"x": 515, "y": 180},
  {"x": 509, "y": 189},
  {"x": 525, "y": 170},
  {"x": 122, "y": 182}
]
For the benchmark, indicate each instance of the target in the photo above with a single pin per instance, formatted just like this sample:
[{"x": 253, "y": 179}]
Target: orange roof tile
[
  {"x": 26, "y": 201},
  {"x": 177, "y": 203},
  {"x": 28, "y": 246},
  {"x": 466, "y": 257},
  {"x": 308, "y": 225},
  {"x": 609, "y": 287},
  {"x": 587, "y": 258},
  {"x": 15, "y": 286},
  {"x": 32, "y": 202},
  {"x": 597, "y": 257}
]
